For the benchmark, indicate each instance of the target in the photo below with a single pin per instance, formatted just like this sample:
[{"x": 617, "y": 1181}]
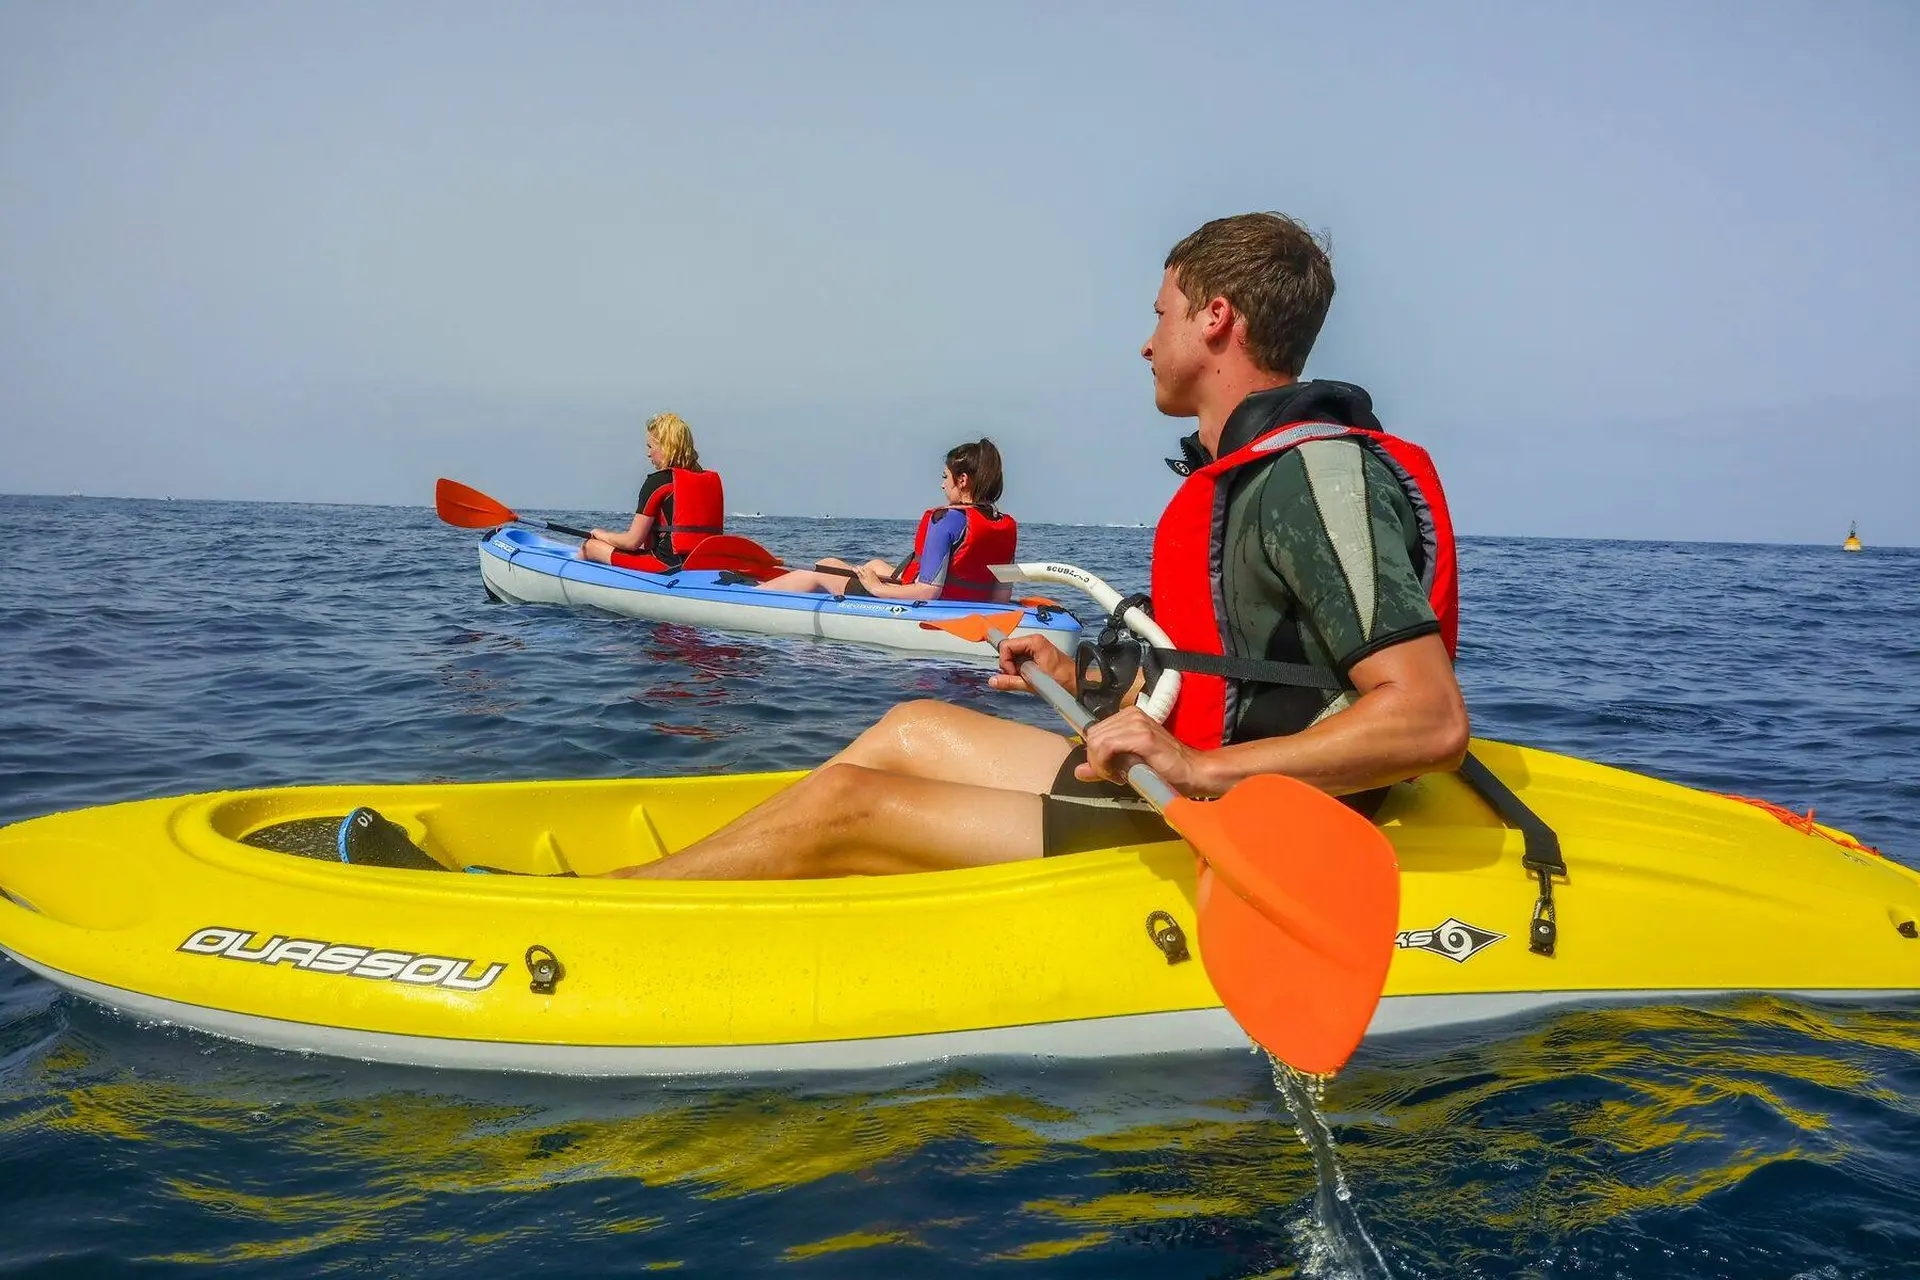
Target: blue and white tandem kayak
[{"x": 520, "y": 566}]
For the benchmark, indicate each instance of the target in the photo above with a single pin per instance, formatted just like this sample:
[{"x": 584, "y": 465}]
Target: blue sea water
[{"x": 150, "y": 648}]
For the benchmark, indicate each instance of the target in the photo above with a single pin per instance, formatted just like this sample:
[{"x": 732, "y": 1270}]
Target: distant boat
[
  {"x": 746, "y": 515},
  {"x": 1853, "y": 539}
]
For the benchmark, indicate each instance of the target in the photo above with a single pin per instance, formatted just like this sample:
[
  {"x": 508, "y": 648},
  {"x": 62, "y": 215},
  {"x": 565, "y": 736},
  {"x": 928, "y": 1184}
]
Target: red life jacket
[
  {"x": 699, "y": 509},
  {"x": 989, "y": 540},
  {"x": 1188, "y": 547}
]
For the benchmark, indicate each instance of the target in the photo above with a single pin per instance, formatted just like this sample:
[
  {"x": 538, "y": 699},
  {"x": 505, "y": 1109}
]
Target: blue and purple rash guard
[{"x": 943, "y": 535}]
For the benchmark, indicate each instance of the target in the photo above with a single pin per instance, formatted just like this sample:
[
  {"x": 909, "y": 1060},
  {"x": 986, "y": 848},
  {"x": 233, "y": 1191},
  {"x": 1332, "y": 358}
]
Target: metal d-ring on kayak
[{"x": 520, "y": 566}]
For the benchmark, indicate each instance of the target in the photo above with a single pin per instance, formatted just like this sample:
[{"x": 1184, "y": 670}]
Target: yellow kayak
[{"x": 164, "y": 910}]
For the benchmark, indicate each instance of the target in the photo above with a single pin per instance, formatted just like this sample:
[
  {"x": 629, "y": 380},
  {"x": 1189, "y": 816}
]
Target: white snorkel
[{"x": 1157, "y": 701}]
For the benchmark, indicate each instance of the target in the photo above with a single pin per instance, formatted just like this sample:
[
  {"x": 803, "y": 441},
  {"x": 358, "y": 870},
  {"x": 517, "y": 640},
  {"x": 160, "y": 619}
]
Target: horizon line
[{"x": 1062, "y": 524}]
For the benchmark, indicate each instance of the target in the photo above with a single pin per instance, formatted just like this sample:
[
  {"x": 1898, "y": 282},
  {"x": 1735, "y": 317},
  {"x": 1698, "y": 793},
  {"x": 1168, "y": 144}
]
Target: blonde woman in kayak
[
  {"x": 951, "y": 550},
  {"x": 679, "y": 504}
]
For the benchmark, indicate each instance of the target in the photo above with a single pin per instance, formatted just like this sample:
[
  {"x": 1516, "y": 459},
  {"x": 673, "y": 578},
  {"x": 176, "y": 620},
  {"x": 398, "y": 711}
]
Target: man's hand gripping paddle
[
  {"x": 1298, "y": 895},
  {"x": 468, "y": 508}
]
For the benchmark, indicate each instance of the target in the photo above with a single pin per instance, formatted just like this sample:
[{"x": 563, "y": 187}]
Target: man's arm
[{"x": 1408, "y": 719}]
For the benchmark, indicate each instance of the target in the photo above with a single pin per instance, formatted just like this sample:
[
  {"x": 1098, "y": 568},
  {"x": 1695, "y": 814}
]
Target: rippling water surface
[{"x": 151, "y": 648}]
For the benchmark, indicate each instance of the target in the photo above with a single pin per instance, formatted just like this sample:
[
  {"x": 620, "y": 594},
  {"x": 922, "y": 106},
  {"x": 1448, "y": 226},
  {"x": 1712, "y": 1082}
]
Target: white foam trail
[{"x": 1337, "y": 1245}]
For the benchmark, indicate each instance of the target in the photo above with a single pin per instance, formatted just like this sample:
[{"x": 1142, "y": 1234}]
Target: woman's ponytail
[{"x": 979, "y": 462}]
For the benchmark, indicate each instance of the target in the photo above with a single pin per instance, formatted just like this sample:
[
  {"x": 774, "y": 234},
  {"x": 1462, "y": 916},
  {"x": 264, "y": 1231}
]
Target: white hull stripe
[
  {"x": 1128, "y": 1035},
  {"x": 864, "y": 622}
]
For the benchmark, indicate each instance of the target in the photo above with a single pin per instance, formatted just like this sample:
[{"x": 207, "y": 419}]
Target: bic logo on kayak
[
  {"x": 1454, "y": 939},
  {"x": 317, "y": 956}
]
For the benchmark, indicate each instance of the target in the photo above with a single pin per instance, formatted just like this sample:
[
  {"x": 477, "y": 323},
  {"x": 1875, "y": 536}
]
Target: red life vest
[
  {"x": 989, "y": 540},
  {"x": 1187, "y": 550},
  {"x": 699, "y": 509}
]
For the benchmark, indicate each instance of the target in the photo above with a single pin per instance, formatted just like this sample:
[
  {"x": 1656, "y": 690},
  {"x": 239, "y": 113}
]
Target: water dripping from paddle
[{"x": 1337, "y": 1243}]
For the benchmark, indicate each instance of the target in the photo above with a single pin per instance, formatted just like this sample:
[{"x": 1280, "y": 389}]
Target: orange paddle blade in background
[
  {"x": 468, "y": 508},
  {"x": 1299, "y": 901},
  {"x": 732, "y": 551},
  {"x": 975, "y": 626}
]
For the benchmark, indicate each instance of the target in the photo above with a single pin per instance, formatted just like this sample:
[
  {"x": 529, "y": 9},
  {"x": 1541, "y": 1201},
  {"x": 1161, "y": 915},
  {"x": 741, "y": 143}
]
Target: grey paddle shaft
[{"x": 1142, "y": 779}]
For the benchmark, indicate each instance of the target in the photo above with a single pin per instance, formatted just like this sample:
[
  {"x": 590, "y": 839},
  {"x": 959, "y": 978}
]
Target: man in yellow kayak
[{"x": 1304, "y": 571}]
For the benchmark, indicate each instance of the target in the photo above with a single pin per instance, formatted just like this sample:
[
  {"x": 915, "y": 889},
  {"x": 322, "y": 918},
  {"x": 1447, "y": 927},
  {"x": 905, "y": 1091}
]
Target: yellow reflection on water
[
  {"x": 1042, "y": 1249},
  {"x": 1538, "y": 1131},
  {"x": 843, "y": 1243},
  {"x": 1590, "y": 1117},
  {"x": 266, "y": 1252}
]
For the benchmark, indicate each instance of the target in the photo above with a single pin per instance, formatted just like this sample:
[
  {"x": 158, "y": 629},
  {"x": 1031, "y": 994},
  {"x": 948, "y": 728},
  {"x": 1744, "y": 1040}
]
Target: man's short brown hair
[{"x": 1272, "y": 270}]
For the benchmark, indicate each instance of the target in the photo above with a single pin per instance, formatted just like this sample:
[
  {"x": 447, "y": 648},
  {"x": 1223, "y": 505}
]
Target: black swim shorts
[{"x": 1076, "y": 816}]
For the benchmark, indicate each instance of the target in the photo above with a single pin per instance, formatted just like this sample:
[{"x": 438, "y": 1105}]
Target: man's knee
[
  {"x": 904, "y": 714},
  {"x": 843, "y": 800},
  {"x": 838, "y": 786},
  {"x": 908, "y": 730}
]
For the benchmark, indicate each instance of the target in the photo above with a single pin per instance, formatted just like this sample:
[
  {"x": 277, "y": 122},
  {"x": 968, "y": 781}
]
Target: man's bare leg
[
  {"x": 845, "y": 820},
  {"x": 928, "y": 787},
  {"x": 940, "y": 741}
]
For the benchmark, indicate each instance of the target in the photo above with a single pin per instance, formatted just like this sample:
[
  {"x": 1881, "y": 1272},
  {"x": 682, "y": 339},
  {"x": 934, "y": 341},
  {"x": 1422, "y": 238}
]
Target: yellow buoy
[{"x": 1853, "y": 539}]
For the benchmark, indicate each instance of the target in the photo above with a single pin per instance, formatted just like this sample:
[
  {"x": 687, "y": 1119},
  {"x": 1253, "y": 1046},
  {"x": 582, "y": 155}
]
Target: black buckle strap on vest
[
  {"x": 1542, "y": 858},
  {"x": 1252, "y": 670},
  {"x": 695, "y": 528}
]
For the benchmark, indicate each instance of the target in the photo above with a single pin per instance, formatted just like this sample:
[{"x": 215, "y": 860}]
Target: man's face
[{"x": 1177, "y": 350}]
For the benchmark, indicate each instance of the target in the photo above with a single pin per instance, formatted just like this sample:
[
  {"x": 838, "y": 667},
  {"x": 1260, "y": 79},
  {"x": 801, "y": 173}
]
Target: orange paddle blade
[
  {"x": 1299, "y": 900},
  {"x": 468, "y": 508},
  {"x": 731, "y": 551},
  {"x": 975, "y": 626}
]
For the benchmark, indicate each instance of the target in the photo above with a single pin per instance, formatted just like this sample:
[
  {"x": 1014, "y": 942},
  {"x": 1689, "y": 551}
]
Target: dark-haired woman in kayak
[{"x": 951, "y": 550}]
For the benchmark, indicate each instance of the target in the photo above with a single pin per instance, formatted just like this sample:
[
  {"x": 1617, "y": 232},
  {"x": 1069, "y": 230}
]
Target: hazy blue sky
[{"x": 1642, "y": 270}]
